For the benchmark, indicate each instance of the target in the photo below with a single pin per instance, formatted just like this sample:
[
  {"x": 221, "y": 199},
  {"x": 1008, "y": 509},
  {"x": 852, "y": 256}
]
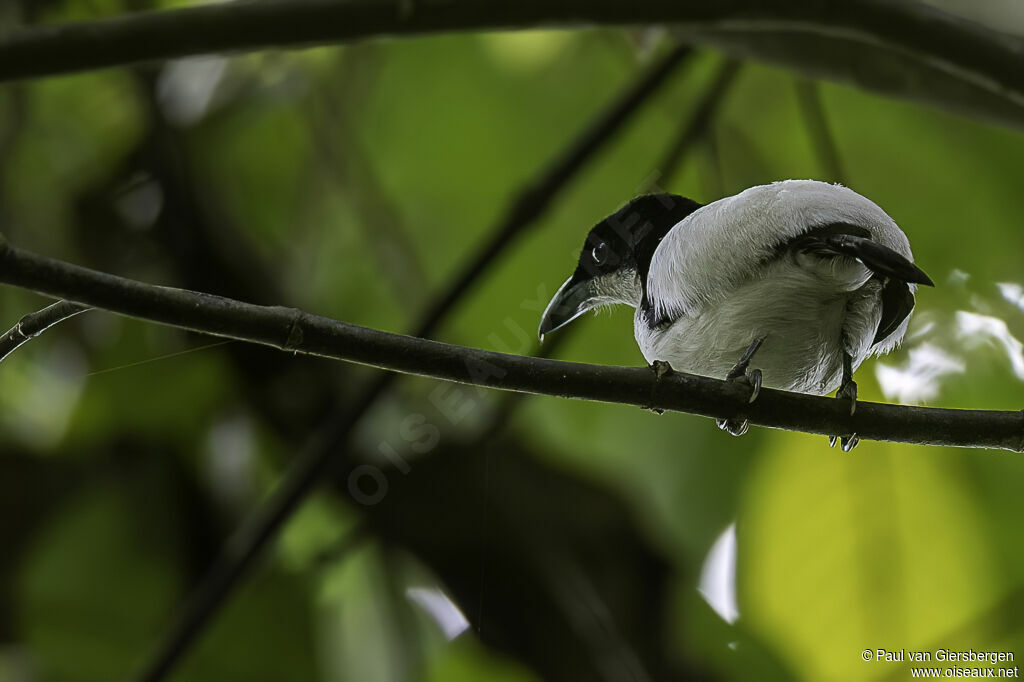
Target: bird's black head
[{"x": 616, "y": 258}]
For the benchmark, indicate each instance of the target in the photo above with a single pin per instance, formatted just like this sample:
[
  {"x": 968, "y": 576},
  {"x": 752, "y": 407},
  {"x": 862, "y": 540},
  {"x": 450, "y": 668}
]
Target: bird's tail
[{"x": 855, "y": 242}]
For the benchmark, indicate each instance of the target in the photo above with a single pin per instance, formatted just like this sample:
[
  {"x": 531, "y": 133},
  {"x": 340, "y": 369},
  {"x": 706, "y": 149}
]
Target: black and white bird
[{"x": 793, "y": 284}]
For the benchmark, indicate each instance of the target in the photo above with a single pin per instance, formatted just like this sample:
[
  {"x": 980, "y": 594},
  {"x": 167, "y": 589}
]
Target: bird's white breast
[{"x": 805, "y": 330}]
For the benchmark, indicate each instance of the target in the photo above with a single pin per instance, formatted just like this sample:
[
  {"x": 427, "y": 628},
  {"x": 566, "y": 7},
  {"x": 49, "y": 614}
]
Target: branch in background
[
  {"x": 536, "y": 197},
  {"x": 295, "y": 331},
  {"x": 815, "y": 120},
  {"x": 195, "y": 233},
  {"x": 903, "y": 49},
  {"x": 340, "y": 152},
  {"x": 328, "y": 447},
  {"x": 698, "y": 125},
  {"x": 34, "y": 324}
]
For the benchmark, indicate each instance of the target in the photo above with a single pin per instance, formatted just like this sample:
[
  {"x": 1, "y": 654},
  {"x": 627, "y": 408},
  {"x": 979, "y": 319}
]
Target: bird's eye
[{"x": 600, "y": 253}]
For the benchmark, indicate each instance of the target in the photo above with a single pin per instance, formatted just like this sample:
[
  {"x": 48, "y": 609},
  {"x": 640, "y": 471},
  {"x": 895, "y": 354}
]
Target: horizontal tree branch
[
  {"x": 296, "y": 331},
  {"x": 872, "y": 38}
]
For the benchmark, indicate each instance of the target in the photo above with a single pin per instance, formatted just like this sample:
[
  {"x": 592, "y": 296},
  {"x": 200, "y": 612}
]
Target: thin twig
[
  {"x": 329, "y": 447},
  {"x": 36, "y": 323},
  {"x": 813, "y": 111},
  {"x": 295, "y": 331}
]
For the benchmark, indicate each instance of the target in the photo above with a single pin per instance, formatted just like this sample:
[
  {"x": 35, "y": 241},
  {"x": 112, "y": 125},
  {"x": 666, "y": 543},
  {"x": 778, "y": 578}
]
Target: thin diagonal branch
[
  {"x": 697, "y": 126},
  {"x": 36, "y": 323},
  {"x": 536, "y": 197},
  {"x": 329, "y": 447},
  {"x": 295, "y": 331},
  {"x": 341, "y": 152}
]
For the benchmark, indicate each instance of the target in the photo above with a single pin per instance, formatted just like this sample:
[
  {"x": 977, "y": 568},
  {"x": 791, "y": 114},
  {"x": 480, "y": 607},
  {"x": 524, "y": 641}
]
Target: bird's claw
[
  {"x": 846, "y": 443},
  {"x": 848, "y": 391},
  {"x": 737, "y": 426},
  {"x": 734, "y": 426},
  {"x": 753, "y": 377}
]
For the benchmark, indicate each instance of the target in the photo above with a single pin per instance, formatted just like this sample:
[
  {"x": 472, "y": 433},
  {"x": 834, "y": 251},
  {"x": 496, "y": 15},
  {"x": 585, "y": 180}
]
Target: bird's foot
[
  {"x": 751, "y": 378},
  {"x": 848, "y": 391},
  {"x": 846, "y": 443},
  {"x": 734, "y": 426},
  {"x": 737, "y": 426}
]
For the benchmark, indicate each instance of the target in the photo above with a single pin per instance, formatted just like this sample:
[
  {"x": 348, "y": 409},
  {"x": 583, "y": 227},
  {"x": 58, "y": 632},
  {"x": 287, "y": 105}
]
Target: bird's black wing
[
  {"x": 888, "y": 266},
  {"x": 853, "y": 241}
]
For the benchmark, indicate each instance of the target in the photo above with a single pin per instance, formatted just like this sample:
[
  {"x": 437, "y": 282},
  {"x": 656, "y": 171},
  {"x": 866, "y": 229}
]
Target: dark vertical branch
[{"x": 329, "y": 449}]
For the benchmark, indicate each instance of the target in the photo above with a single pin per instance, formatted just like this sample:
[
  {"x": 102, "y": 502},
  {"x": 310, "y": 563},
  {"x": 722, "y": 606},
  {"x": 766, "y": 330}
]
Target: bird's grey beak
[{"x": 570, "y": 301}]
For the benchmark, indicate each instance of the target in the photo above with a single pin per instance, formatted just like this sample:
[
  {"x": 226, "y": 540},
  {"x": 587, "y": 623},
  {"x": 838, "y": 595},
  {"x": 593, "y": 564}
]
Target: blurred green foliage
[{"x": 352, "y": 182}]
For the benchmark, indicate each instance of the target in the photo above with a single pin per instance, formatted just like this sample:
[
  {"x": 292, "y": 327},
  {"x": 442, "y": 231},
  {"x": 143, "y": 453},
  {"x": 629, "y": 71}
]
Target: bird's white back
[{"x": 707, "y": 254}]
